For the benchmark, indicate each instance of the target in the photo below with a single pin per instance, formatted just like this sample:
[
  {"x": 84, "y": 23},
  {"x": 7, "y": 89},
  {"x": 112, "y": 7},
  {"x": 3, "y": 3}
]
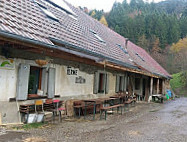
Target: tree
[
  {"x": 103, "y": 21},
  {"x": 96, "y": 14},
  {"x": 143, "y": 42},
  {"x": 180, "y": 51},
  {"x": 93, "y": 13}
]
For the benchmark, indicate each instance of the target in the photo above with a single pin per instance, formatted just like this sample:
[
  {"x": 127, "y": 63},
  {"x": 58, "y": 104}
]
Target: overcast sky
[{"x": 106, "y": 5}]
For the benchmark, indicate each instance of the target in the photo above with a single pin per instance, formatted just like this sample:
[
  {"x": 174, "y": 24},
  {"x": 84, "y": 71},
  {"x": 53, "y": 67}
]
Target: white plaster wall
[
  {"x": 8, "y": 79},
  {"x": 7, "y": 84},
  {"x": 112, "y": 84},
  {"x": 65, "y": 84}
]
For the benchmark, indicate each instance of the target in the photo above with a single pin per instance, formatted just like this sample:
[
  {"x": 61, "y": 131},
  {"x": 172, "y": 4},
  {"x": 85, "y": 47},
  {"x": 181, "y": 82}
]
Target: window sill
[{"x": 33, "y": 98}]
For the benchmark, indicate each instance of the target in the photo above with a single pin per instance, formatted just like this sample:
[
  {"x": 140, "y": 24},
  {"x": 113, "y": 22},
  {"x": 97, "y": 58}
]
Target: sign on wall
[
  {"x": 72, "y": 71},
  {"x": 80, "y": 80},
  {"x": 7, "y": 63}
]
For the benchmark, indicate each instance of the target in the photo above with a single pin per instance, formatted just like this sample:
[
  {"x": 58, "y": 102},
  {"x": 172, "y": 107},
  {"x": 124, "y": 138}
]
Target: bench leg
[
  {"x": 94, "y": 112},
  {"x": 60, "y": 116},
  {"x": 101, "y": 112},
  {"x": 105, "y": 114},
  {"x": 53, "y": 116},
  {"x": 133, "y": 103}
]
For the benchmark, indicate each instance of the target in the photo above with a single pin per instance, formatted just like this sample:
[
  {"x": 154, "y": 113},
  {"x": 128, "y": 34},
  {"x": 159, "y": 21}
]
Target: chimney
[{"x": 126, "y": 42}]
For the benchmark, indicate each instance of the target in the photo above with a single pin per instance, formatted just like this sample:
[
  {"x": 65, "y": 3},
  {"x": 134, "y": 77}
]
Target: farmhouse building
[{"x": 49, "y": 48}]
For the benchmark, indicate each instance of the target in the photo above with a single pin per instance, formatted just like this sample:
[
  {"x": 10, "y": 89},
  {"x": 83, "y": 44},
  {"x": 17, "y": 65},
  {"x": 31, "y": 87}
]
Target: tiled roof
[
  {"x": 25, "y": 18},
  {"x": 142, "y": 58}
]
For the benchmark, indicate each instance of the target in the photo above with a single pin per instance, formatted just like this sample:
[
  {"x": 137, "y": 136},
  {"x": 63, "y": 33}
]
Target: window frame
[
  {"x": 120, "y": 85},
  {"x": 105, "y": 83},
  {"x": 23, "y": 83}
]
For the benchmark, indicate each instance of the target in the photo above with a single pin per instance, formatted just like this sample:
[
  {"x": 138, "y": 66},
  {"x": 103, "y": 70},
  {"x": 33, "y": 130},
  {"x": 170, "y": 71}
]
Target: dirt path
[{"x": 144, "y": 123}]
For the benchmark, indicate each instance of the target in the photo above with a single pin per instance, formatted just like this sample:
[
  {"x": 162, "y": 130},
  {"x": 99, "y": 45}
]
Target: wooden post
[
  {"x": 0, "y": 119},
  {"x": 157, "y": 87},
  {"x": 151, "y": 86},
  {"x": 163, "y": 87},
  {"x": 146, "y": 91}
]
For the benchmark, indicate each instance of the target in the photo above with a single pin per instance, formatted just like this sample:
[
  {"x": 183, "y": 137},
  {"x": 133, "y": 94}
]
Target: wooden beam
[
  {"x": 163, "y": 86},
  {"x": 0, "y": 119},
  {"x": 157, "y": 87},
  {"x": 114, "y": 66},
  {"x": 151, "y": 86}
]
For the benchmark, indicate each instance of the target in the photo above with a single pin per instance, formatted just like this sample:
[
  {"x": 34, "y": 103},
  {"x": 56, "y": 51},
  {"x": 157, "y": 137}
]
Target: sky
[{"x": 106, "y": 5}]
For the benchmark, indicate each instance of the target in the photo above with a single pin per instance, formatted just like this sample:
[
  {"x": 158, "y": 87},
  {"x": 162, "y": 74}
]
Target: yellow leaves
[
  {"x": 93, "y": 13},
  {"x": 179, "y": 46},
  {"x": 103, "y": 21}
]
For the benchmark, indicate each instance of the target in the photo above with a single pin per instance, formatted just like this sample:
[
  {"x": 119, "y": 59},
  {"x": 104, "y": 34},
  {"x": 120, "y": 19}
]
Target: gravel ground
[{"x": 151, "y": 122}]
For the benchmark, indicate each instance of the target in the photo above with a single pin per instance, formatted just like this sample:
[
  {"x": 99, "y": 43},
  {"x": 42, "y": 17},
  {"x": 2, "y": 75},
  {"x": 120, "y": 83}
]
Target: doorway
[{"x": 35, "y": 78}]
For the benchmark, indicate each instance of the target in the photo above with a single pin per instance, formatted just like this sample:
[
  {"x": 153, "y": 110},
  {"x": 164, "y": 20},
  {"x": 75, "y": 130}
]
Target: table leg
[
  {"x": 79, "y": 112},
  {"x": 94, "y": 111},
  {"x": 85, "y": 111}
]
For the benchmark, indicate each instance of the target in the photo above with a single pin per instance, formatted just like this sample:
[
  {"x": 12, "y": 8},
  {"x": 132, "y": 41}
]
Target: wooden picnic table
[{"x": 91, "y": 102}]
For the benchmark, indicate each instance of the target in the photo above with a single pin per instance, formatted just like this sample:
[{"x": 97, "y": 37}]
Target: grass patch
[
  {"x": 30, "y": 126},
  {"x": 154, "y": 110},
  {"x": 177, "y": 82}
]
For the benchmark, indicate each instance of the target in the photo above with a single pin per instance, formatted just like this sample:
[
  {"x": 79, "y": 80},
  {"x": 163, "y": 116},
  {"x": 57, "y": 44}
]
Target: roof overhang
[{"x": 74, "y": 50}]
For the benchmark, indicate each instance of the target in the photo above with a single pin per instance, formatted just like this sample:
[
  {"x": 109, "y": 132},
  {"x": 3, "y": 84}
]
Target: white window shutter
[
  {"x": 123, "y": 83},
  {"x": 96, "y": 83},
  {"x": 44, "y": 81},
  {"x": 107, "y": 84},
  {"x": 23, "y": 82},
  {"x": 117, "y": 83},
  {"x": 51, "y": 82}
]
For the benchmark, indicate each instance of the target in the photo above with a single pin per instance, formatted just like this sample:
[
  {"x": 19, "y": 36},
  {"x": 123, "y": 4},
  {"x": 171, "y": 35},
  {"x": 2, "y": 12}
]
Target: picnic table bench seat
[
  {"x": 105, "y": 109},
  {"x": 80, "y": 106}
]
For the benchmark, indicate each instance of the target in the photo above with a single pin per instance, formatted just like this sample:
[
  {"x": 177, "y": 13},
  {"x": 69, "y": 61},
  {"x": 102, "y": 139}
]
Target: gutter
[
  {"x": 92, "y": 55},
  {"x": 39, "y": 43}
]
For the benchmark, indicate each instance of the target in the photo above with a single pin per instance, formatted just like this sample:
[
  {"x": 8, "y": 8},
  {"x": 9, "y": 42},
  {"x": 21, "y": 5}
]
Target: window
[
  {"x": 137, "y": 83},
  {"x": 120, "y": 83},
  {"x": 35, "y": 80},
  {"x": 101, "y": 83},
  {"x": 49, "y": 14},
  {"x": 62, "y": 6},
  {"x": 140, "y": 57},
  {"x": 123, "y": 49},
  {"x": 97, "y": 36},
  {"x": 130, "y": 59}
]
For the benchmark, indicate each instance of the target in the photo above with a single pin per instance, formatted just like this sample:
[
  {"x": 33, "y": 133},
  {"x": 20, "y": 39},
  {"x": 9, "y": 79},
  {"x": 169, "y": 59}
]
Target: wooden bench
[
  {"x": 105, "y": 109},
  {"x": 86, "y": 108},
  {"x": 79, "y": 107},
  {"x": 131, "y": 102}
]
